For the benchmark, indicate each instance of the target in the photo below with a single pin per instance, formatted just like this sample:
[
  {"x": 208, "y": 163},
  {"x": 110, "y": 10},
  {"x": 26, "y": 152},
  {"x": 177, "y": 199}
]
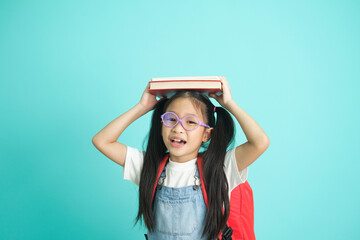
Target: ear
[{"x": 207, "y": 134}]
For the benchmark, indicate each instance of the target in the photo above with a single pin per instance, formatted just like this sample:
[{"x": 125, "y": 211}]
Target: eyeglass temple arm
[{"x": 203, "y": 124}]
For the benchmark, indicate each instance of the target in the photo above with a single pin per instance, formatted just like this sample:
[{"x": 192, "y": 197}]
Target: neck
[{"x": 182, "y": 159}]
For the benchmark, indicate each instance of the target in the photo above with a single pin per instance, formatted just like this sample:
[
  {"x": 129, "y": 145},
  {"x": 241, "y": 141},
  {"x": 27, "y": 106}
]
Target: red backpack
[{"x": 240, "y": 224}]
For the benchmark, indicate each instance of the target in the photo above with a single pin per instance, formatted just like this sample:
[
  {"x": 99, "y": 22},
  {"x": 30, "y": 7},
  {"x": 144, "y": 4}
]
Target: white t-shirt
[{"x": 181, "y": 174}]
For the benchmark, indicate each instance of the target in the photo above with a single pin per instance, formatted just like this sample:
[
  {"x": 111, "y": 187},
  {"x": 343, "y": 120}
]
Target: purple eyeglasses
[{"x": 189, "y": 122}]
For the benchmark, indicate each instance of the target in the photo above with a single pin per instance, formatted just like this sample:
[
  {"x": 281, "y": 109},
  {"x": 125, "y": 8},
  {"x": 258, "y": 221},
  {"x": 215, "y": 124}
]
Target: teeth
[{"x": 177, "y": 140}]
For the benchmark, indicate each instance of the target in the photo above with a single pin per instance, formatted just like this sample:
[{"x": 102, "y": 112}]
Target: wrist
[
  {"x": 141, "y": 108},
  {"x": 230, "y": 104}
]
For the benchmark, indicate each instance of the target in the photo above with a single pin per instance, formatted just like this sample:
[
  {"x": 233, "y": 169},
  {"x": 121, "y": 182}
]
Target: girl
[{"x": 179, "y": 127}]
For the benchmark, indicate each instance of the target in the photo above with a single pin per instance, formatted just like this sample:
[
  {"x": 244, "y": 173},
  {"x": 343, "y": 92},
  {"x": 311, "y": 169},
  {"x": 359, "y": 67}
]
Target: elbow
[
  {"x": 264, "y": 143},
  {"x": 95, "y": 141},
  {"x": 98, "y": 142}
]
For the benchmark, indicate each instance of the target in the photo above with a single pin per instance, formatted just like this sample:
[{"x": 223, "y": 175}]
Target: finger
[
  {"x": 146, "y": 89},
  {"x": 223, "y": 79},
  {"x": 212, "y": 95}
]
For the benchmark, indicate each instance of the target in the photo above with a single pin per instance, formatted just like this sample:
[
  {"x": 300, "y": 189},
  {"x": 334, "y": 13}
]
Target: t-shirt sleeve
[
  {"x": 133, "y": 164},
  {"x": 234, "y": 176}
]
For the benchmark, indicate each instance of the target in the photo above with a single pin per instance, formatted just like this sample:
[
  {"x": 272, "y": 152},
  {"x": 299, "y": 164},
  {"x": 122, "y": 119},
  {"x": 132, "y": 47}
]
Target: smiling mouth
[{"x": 177, "y": 142}]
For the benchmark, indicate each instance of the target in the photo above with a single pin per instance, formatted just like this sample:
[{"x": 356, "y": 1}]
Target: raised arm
[
  {"x": 258, "y": 141},
  {"x": 106, "y": 140}
]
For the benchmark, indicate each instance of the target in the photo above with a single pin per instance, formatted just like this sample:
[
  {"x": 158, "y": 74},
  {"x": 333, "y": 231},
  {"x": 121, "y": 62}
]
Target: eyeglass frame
[{"x": 181, "y": 121}]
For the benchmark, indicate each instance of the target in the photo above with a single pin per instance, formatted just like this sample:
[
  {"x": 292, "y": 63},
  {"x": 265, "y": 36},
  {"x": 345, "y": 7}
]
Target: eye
[
  {"x": 191, "y": 122},
  {"x": 170, "y": 119}
]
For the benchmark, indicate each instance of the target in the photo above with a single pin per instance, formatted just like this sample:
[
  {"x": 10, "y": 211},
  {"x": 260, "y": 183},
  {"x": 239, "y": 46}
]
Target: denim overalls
[{"x": 179, "y": 213}]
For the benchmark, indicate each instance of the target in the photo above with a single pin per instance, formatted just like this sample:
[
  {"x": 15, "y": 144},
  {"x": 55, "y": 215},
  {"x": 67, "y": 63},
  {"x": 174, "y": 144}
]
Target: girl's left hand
[{"x": 225, "y": 98}]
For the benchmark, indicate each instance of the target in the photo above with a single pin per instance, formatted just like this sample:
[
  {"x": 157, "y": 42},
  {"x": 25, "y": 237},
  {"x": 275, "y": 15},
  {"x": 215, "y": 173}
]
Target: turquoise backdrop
[{"x": 68, "y": 68}]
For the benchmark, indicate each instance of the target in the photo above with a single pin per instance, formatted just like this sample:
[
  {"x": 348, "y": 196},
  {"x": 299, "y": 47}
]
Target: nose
[{"x": 178, "y": 128}]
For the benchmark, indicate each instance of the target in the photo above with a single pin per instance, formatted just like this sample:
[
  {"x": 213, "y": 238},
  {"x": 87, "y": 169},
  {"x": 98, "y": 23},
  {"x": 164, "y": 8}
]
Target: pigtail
[
  {"x": 216, "y": 183},
  {"x": 155, "y": 152}
]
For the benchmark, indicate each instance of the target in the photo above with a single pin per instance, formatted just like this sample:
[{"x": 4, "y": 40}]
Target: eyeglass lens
[{"x": 189, "y": 122}]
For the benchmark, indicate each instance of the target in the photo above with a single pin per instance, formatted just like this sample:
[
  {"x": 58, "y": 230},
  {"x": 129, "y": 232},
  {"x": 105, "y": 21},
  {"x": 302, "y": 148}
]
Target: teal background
[{"x": 68, "y": 68}]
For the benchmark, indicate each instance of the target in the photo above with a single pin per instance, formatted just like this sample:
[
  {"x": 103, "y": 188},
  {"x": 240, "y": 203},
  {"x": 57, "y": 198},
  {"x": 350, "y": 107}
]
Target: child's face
[{"x": 184, "y": 152}]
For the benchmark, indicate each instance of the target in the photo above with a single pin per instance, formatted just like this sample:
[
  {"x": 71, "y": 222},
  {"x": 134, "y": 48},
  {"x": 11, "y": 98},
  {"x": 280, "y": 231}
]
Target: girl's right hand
[{"x": 148, "y": 100}]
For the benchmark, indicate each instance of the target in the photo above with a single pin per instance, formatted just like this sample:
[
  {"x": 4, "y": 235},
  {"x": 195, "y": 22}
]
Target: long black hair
[{"x": 216, "y": 184}]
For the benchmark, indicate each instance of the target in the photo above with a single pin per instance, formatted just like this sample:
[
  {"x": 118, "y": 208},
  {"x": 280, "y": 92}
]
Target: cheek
[
  {"x": 197, "y": 134},
  {"x": 164, "y": 131}
]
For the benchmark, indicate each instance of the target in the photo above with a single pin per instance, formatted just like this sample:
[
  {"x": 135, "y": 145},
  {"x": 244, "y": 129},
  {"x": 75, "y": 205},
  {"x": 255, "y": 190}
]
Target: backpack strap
[
  {"x": 227, "y": 233},
  {"x": 160, "y": 169}
]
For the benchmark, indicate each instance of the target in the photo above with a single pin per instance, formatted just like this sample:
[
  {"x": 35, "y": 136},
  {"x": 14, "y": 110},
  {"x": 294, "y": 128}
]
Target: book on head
[{"x": 167, "y": 86}]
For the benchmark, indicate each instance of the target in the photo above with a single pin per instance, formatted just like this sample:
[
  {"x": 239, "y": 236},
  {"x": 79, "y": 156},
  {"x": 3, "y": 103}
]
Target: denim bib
[{"x": 179, "y": 213}]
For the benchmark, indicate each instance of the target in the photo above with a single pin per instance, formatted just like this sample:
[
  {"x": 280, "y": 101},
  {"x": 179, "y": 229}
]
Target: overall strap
[{"x": 160, "y": 169}]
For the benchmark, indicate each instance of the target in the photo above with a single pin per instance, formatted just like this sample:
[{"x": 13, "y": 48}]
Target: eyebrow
[{"x": 185, "y": 113}]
